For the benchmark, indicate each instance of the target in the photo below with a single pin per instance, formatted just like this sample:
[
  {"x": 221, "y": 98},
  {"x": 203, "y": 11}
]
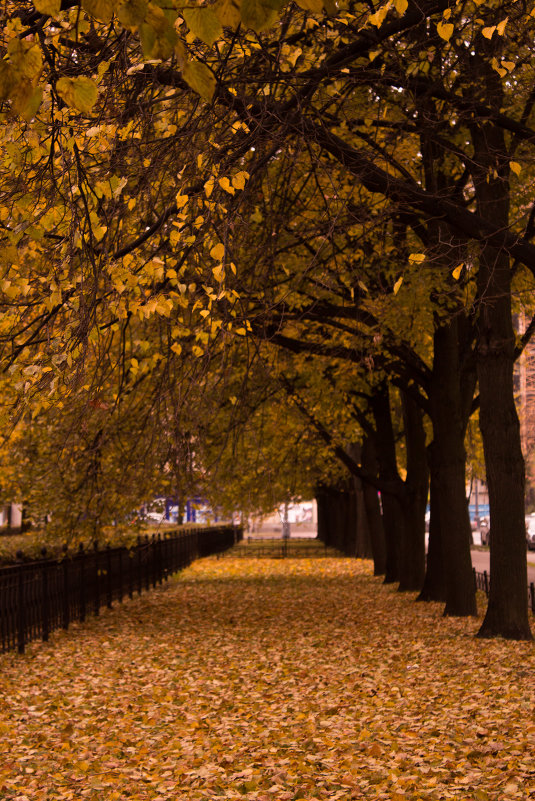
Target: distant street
[{"x": 480, "y": 560}]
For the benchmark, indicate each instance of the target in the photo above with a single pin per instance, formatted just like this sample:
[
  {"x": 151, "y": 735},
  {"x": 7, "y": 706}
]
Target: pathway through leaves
[{"x": 269, "y": 680}]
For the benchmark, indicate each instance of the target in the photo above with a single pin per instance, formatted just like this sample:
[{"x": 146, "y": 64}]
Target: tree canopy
[{"x": 208, "y": 208}]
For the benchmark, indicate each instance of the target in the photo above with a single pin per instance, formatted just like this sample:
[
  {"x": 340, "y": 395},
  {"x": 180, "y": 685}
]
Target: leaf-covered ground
[{"x": 269, "y": 680}]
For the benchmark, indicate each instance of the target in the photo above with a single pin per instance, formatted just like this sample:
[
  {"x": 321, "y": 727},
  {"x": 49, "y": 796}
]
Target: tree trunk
[
  {"x": 449, "y": 460},
  {"x": 363, "y": 546},
  {"x": 412, "y": 557},
  {"x": 393, "y": 514},
  {"x": 337, "y": 526},
  {"x": 507, "y": 611},
  {"x": 373, "y": 510}
]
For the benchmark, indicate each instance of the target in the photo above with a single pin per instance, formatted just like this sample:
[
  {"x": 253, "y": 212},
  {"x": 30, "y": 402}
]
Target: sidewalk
[{"x": 269, "y": 680}]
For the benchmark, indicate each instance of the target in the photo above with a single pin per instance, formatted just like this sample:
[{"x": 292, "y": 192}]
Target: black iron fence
[
  {"x": 38, "y": 597},
  {"x": 482, "y": 582}
]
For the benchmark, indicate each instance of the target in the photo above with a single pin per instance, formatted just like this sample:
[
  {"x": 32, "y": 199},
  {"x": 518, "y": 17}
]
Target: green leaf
[
  {"x": 131, "y": 13},
  {"x": 26, "y": 100},
  {"x": 80, "y": 93},
  {"x": 259, "y": 14},
  {"x": 228, "y": 12},
  {"x": 100, "y": 9},
  {"x": 25, "y": 58},
  {"x": 7, "y": 80},
  {"x": 49, "y": 7},
  {"x": 157, "y": 34},
  {"x": 200, "y": 78},
  {"x": 203, "y": 23}
]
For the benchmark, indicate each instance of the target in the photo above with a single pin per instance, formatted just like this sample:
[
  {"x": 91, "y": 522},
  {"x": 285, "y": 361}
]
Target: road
[{"x": 480, "y": 560}]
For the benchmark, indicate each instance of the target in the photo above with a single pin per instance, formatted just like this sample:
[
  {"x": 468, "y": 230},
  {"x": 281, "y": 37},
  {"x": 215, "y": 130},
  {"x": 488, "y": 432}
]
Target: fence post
[
  {"x": 109, "y": 587},
  {"x": 130, "y": 573},
  {"x": 65, "y": 571},
  {"x": 486, "y": 582},
  {"x": 532, "y": 591},
  {"x": 139, "y": 570},
  {"x": 21, "y": 616},
  {"x": 97, "y": 580},
  {"x": 120, "y": 575},
  {"x": 159, "y": 559},
  {"x": 147, "y": 562},
  {"x": 45, "y": 601},
  {"x": 475, "y": 577},
  {"x": 81, "y": 562}
]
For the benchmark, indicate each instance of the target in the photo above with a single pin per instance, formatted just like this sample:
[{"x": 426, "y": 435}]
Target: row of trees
[{"x": 211, "y": 213}]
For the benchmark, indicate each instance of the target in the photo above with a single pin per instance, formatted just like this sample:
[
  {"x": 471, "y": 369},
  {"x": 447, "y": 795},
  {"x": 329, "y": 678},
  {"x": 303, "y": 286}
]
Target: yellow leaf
[
  {"x": 515, "y": 167},
  {"x": 176, "y": 348},
  {"x": 377, "y": 18},
  {"x": 488, "y": 32},
  {"x": 219, "y": 273},
  {"x": 500, "y": 70},
  {"x": 238, "y": 182},
  {"x": 181, "y": 200},
  {"x": 416, "y": 258},
  {"x": 401, "y": 6},
  {"x": 500, "y": 28},
  {"x": 209, "y": 186},
  {"x": 50, "y": 7},
  {"x": 225, "y": 184},
  {"x": 316, "y": 6},
  {"x": 205, "y": 313},
  {"x": 218, "y": 251},
  {"x": 445, "y": 30},
  {"x": 457, "y": 272},
  {"x": 398, "y": 284}
]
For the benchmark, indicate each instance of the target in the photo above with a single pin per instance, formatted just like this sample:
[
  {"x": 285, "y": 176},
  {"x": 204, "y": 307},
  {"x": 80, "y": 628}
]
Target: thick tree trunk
[
  {"x": 449, "y": 459},
  {"x": 373, "y": 510},
  {"x": 337, "y": 526},
  {"x": 363, "y": 546},
  {"x": 507, "y": 611},
  {"x": 412, "y": 557}
]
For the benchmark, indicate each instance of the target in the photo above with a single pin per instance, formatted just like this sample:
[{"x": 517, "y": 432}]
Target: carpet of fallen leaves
[{"x": 269, "y": 680}]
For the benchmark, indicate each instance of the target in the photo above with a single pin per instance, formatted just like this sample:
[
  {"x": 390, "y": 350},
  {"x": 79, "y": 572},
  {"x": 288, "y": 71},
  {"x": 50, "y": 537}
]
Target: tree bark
[
  {"x": 393, "y": 513},
  {"x": 363, "y": 546},
  {"x": 448, "y": 470},
  {"x": 412, "y": 557},
  {"x": 373, "y": 510},
  {"x": 507, "y": 611}
]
